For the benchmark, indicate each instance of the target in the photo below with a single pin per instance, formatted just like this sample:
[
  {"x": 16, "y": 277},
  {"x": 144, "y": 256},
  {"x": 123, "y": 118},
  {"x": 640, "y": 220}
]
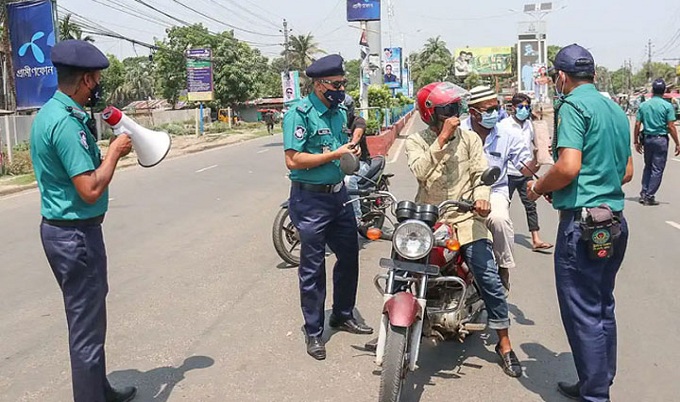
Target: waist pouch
[{"x": 600, "y": 228}]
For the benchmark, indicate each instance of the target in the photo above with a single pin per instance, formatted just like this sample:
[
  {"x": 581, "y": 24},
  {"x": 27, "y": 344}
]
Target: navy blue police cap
[
  {"x": 575, "y": 60},
  {"x": 659, "y": 85},
  {"x": 78, "y": 54},
  {"x": 326, "y": 66}
]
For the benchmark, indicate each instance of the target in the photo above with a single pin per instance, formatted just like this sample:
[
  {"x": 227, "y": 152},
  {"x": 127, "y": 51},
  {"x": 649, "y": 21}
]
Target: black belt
[
  {"x": 97, "y": 220},
  {"x": 319, "y": 188},
  {"x": 577, "y": 214}
]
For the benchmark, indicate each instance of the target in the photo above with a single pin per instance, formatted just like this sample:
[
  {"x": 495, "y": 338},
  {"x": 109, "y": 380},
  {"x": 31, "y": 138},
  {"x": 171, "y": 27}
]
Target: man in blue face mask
[
  {"x": 520, "y": 125},
  {"x": 500, "y": 150},
  {"x": 314, "y": 139}
]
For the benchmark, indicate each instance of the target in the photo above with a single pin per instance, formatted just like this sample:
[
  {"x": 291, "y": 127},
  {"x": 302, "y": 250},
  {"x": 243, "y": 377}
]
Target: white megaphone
[{"x": 150, "y": 146}]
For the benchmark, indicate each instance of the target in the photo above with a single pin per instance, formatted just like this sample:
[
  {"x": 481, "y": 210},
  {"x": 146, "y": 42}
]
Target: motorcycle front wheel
[
  {"x": 395, "y": 364},
  {"x": 286, "y": 238}
]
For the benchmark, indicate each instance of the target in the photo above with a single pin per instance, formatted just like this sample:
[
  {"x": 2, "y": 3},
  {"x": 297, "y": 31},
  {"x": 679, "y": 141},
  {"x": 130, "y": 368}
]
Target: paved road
[{"x": 200, "y": 308}]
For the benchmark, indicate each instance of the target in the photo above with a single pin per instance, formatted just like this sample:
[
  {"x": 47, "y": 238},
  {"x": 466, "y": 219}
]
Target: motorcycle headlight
[{"x": 413, "y": 239}]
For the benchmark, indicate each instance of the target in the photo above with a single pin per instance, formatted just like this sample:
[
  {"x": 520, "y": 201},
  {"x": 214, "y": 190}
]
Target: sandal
[{"x": 542, "y": 247}]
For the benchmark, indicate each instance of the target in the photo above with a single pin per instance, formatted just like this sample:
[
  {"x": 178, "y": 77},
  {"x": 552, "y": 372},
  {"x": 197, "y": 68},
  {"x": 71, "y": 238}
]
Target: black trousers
[
  {"x": 77, "y": 257},
  {"x": 519, "y": 183}
]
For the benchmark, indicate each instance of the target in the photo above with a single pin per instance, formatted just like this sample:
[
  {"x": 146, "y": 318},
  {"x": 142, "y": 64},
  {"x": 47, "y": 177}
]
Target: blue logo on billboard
[
  {"x": 363, "y": 10},
  {"x": 38, "y": 54}
]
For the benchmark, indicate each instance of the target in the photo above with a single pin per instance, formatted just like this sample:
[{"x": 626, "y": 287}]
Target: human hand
[
  {"x": 531, "y": 194},
  {"x": 638, "y": 147},
  {"x": 449, "y": 129},
  {"x": 349, "y": 148},
  {"x": 121, "y": 145},
  {"x": 483, "y": 208}
]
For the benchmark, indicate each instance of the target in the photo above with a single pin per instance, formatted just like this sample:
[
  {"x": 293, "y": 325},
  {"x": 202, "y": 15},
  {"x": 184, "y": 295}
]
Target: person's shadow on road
[
  {"x": 157, "y": 384},
  {"x": 544, "y": 368}
]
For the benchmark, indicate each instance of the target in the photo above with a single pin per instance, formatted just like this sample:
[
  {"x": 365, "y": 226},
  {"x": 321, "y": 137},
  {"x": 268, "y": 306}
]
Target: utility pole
[
  {"x": 286, "y": 44},
  {"x": 649, "y": 60}
]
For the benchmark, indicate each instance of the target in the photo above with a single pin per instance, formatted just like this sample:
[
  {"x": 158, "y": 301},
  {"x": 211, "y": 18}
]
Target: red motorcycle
[{"x": 428, "y": 289}]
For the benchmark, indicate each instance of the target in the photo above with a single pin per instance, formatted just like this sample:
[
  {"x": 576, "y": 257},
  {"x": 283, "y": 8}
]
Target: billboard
[
  {"x": 392, "y": 71},
  {"x": 483, "y": 61},
  {"x": 31, "y": 34},
  {"x": 528, "y": 54},
  {"x": 363, "y": 10},
  {"x": 290, "y": 84},
  {"x": 199, "y": 75},
  {"x": 541, "y": 81}
]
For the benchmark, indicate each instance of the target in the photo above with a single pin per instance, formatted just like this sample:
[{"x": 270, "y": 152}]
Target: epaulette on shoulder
[{"x": 304, "y": 107}]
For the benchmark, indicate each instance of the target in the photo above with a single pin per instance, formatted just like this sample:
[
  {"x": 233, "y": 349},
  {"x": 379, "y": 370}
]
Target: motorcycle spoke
[{"x": 293, "y": 246}]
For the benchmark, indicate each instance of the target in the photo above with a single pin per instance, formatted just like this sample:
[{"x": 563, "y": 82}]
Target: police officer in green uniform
[
  {"x": 73, "y": 182},
  {"x": 314, "y": 139},
  {"x": 592, "y": 162},
  {"x": 655, "y": 121}
]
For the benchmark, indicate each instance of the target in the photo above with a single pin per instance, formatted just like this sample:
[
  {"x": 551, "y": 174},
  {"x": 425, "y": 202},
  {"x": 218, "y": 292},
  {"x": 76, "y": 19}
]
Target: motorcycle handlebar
[{"x": 360, "y": 193}]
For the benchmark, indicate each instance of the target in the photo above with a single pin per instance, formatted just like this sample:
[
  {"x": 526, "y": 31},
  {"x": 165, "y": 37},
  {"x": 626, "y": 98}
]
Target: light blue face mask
[
  {"x": 489, "y": 120},
  {"x": 522, "y": 113}
]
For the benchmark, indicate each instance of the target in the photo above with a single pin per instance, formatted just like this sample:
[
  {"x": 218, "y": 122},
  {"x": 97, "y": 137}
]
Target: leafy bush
[
  {"x": 22, "y": 147},
  {"x": 174, "y": 129},
  {"x": 372, "y": 127},
  {"x": 21, "y": 163},
  {"x": 217, "y": 127}
]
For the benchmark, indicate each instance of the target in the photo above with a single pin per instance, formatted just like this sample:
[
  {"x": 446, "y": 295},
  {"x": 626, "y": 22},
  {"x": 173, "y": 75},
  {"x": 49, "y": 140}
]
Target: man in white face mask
[{"x": 500, "y": 150}]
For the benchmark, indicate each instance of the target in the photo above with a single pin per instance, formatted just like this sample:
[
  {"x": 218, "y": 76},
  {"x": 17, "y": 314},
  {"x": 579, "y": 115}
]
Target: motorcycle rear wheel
[
  {"x": 286, "y": 238},
  {"x": 395, "y": 364}
]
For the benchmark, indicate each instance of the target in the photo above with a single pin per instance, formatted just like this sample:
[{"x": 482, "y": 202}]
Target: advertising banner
[
  {"x": 199, "y": 75},
  {"x": 393, "y": 69},
  {"x": 291, "y": 86},
  {"x": 541, "y": 81},
  {"x": 31, "y": 34},
  {"x": 528, "y": 54},
  {"x": 483, "y": 61},
  {"x": 363, "y": 10}
]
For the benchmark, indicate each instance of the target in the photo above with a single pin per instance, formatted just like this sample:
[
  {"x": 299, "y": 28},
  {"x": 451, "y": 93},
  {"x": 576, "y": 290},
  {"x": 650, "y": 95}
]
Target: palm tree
[
  {"x": 302, "y": 49},
  {"x": 435, "y": 51},
  {"x": 138, "y": 85},
  {"x": 71, "y": 30}
]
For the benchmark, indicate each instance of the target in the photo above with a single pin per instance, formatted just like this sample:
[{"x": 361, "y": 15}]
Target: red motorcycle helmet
[{"x": 440, "y": 99}]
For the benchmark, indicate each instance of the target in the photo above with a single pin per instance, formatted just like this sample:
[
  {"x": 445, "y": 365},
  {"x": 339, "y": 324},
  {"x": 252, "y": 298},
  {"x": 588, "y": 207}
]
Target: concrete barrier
[{"x": 381, "y": 144}]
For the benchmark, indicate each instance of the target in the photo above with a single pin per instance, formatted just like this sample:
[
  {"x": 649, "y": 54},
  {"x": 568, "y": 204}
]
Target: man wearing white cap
[{"x": 500, "y": 149}]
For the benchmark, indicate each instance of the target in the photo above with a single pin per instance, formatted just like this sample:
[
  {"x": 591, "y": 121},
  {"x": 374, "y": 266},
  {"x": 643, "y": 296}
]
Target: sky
[{"x": 613, "y": 30}]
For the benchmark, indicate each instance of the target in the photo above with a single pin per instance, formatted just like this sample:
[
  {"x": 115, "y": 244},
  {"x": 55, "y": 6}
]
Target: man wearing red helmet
[{"x": 447, "y": 161}]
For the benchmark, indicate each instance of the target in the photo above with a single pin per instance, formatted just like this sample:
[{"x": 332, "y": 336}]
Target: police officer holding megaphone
[{"x": 150, "y": 146}]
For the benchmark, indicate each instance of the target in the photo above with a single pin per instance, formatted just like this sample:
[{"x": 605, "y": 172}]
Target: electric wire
[{"x": 220, "y": 22}]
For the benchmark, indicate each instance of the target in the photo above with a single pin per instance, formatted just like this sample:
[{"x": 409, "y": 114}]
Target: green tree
[
  {"x": 603, "y": 79},
  {"x": 112, "y": 78},
  {"x": 658, "y": 70},
  {"x": 552, "y": 52},
  {"x": 352, "y": 68},
  {"x": 472, "y": 80},
  {"x": 432, "y": 63},
  {"x": 71, "y": 30},
  {"x": 302, "y": 51},
  {"x": 138, "y": 82}
]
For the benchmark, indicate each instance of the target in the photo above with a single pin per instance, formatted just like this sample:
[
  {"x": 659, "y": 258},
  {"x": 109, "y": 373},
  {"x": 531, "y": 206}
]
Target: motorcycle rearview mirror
[
  {"x": 490, "y": 176},
  {"x": 349, "y": 164}
]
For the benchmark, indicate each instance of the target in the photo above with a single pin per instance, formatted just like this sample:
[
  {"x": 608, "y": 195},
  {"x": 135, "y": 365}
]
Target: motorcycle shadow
[{"x": 446, "y": 360}]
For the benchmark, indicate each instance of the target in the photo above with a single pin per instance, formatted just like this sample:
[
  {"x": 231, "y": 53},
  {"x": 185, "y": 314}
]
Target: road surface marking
[
  {"x": 674, "y": 224},
  {"x": 206, "y": 168},
  {"x": 396, "y": 154},
  {"x": 263, "y": 151}
]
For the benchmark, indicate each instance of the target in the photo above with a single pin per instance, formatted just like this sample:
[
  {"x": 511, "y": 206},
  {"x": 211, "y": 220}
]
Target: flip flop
[{"x": 542, "y": 247}]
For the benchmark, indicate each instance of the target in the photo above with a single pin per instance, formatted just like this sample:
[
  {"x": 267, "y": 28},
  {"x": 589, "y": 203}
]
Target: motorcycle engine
[{"x": 443, "y": 325}]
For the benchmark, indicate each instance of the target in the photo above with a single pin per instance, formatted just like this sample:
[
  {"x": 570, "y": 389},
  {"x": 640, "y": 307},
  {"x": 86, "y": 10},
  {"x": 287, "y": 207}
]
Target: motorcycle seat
[{"x": 377, "y": 165}]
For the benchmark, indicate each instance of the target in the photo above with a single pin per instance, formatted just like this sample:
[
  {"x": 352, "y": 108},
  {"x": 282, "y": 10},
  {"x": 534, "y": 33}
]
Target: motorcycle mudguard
[{"x": 402, "y": 309}]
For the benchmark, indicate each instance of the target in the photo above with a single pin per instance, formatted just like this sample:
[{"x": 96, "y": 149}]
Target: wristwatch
[{"x": 533, "y": 189}]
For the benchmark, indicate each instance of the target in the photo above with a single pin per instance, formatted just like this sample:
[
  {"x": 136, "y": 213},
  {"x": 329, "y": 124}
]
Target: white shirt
[
  {"x": 524, "y": 131},
  {"x": 502, "y": 149}
]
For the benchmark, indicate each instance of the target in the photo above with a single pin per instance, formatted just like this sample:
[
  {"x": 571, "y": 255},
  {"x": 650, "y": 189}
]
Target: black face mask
[{"x": 95, "y": 95}]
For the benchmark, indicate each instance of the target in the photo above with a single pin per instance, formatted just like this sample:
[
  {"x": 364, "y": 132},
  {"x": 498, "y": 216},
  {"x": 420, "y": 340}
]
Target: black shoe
[
  {"x": 642, "y": 200},
  {"x": 651, "y": 201},
  {"x": 316, "y": 347},
  {"x": 510, "y": 362},
  {"x": 571, "y": 391},
  {"x": 349, "y": 325},
  {"x": 122, "y": 395}
]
